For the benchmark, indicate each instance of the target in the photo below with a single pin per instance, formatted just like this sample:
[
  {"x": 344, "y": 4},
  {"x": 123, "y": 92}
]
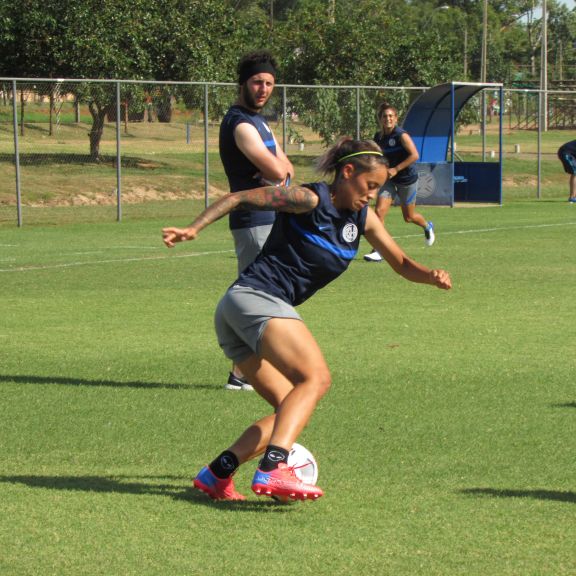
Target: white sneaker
[
  {"x": 373, "y": 257},
  {"x": 429, "y": 233}
]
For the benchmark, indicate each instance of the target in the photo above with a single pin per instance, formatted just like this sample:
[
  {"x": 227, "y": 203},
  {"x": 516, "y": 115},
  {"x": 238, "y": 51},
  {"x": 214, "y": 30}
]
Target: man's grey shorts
[
  {"x": 248, "y": 243},
  {"x": 241, "y": 317}
]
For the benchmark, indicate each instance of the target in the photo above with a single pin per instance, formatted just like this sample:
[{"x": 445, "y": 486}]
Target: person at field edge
[
  {"x": 314, "y": 238},
  {"x": 251, "y": 157},
  {"x": 567, "y": 155},
  {"x": 403, "y": 176}
]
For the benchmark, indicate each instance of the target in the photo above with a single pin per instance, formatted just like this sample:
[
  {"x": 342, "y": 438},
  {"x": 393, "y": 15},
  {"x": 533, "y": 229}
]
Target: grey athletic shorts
[
  {"x": 405, "y": 193},
  {"x": 241, "y": 317},
  {"x": 248, "y": 242}
]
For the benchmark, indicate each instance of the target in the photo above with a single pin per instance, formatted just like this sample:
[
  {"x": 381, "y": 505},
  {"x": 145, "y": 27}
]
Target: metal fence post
[
  {"x": 118, "y": 158},
  {"x": 484, "y": 125},
  {"x": 206, "y": 158},
  {"x": 501, "y": 137},
  {"x": 16, "y": 153},
  {"x": 539, "y": 145},
  {"x": 452, "y": 143}
]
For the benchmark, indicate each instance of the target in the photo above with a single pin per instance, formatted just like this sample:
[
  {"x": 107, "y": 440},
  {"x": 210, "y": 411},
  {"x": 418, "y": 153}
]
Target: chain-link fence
[{"x": 78, "y": 150}]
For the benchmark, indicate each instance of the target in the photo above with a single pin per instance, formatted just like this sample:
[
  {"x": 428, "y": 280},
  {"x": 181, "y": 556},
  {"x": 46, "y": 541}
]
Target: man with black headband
[{"x": 251, "y": 158}]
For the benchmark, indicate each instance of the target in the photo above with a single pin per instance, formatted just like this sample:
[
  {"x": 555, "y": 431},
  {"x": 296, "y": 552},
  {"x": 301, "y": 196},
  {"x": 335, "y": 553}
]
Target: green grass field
[{"x": 445, "y": 446}]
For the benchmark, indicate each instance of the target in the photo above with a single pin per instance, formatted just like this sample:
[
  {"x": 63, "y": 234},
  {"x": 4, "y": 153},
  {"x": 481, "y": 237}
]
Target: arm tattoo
[
  {"x": 215, "y": 211},
  {"x": 295, "y": 199}
]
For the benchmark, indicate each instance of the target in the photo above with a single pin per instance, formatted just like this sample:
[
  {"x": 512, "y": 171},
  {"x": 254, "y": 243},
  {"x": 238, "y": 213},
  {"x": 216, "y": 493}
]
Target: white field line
[
  {"x": 111, "y": 261},
  {"x": 502, "y": 229},
  {"x": 212, "y": 253},
  {"x": 112, "y": 248}
]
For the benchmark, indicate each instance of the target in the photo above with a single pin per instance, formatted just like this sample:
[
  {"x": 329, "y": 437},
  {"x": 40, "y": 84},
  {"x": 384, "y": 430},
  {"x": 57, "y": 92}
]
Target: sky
[{"x": 570, "y": 4}]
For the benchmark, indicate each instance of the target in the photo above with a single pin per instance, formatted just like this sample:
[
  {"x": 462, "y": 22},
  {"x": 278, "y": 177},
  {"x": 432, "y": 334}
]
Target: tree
[
  {"x": 388, "y": 49},
  {"x": 172, "y": 40}
]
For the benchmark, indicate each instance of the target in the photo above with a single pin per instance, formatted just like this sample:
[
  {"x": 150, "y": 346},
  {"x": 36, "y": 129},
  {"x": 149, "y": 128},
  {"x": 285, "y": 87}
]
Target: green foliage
[
  {"x": 343, "y": 42},
  {"x": 132, "y": 39},
  {"x": 385, "y": 50}
]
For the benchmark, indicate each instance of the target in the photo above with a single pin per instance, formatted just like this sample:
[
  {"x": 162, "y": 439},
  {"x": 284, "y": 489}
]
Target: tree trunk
[{"x": 95, "y": 135}]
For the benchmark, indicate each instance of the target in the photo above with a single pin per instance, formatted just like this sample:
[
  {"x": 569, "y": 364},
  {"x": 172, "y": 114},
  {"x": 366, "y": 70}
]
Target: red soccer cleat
[
  {"x": 283, "y": 483},
  {"x": 216, "y": 488}
]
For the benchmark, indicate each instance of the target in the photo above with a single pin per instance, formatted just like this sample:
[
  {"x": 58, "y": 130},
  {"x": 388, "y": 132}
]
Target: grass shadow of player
[
  {"x": 539, "y": 494},
  {"x": 175, "y": 487},
  {"x": 71, "y": 381},
  {"x": 565, "y": 405}
]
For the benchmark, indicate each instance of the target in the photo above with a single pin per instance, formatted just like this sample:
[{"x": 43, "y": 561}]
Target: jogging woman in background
[
  {"x": 314, "y": 238},
  {"x": 402, "y": 182}
]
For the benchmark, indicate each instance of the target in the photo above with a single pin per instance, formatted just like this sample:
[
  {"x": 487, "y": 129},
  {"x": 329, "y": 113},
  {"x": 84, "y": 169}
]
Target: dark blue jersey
[
  {"x": 567, "y": 155},
  {"x": 304, "y": 252},
  {"x": 241, "y": 172},
  {"x": 396, "y": 153},
  {"x": 568, "y": 148}
]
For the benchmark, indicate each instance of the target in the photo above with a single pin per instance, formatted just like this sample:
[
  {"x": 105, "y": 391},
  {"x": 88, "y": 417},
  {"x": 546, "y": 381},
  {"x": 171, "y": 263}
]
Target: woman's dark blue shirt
[
  {"x": 396, "y": 153},
  {"x": 305, "y": 252}
]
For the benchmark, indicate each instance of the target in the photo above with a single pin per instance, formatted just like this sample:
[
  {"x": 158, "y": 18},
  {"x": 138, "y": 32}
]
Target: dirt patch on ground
[
  {"x": 130, "y": 195},
  {"x": 515, "y": 182}
]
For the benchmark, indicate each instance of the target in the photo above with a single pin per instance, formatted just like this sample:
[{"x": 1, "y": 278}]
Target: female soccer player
[
  {"x": 314, "y": 238},
  {"x": 402, "y": 181}
]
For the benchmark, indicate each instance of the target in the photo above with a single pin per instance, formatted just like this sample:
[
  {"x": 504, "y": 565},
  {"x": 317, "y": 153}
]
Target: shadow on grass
[
  {"x": 555, "y": 495},
  {"x": 98, "y": 382},
  {"x": 145, "y": 487},
  {"x": 565, "y": 405}
]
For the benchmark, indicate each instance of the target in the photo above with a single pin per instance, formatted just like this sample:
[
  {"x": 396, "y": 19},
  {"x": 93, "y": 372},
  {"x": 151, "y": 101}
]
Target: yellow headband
[{"x": 374, "y": 152}]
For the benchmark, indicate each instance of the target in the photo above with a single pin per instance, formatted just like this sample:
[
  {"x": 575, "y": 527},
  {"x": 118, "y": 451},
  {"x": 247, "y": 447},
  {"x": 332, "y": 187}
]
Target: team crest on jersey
[
  {"x": 349, "y": 232},
  {"x": 392, "y": 142}
]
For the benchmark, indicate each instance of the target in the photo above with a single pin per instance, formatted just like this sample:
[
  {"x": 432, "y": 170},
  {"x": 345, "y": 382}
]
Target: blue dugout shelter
[{"x": 430, "y": 121}]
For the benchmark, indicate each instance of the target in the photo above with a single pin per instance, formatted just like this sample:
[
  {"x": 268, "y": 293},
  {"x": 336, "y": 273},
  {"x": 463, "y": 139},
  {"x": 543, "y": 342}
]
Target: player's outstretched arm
[
  {"x": 380, "y": 239},
  {"x": 295, "y": 199}
]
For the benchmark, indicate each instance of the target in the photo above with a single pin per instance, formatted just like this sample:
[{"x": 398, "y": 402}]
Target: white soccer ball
[{"x": 304, "y": 464}]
